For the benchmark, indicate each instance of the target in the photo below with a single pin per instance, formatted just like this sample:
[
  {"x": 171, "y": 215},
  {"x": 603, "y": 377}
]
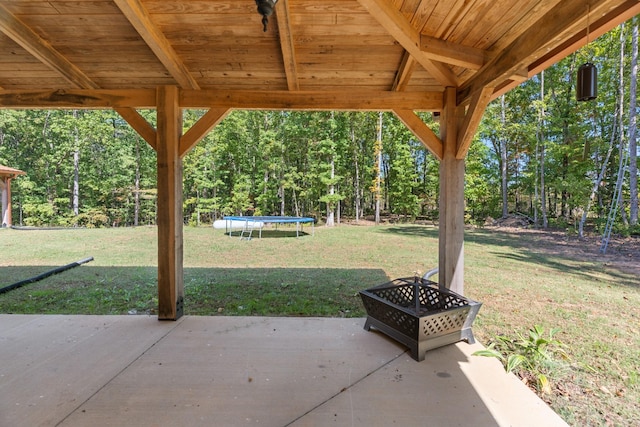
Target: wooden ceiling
[{"x": 363, "y": 52}]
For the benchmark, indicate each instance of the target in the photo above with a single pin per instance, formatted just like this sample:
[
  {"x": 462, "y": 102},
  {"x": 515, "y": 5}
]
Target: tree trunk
[
  {"x": 283, "y": 197},
  {"x": 596, "y": 184},
  {"x": 295, "y": 202},
  {"x": 378, "y": 182},
  {"x": 633, "y": 145},
  {"x": 619, "y": 203},
  {"x": 543, "y": 205},
  {"x": 330, "y": 211},
  {"x": 503, "y": 160},
  {"x": 357, "y": 201},
  {"x": 136, "y": 187},
  {"x": 76, "y": 166},
  {"x": 566, "y": 140},
  {"x": 536, "y": 192},
  {"x": 338, "y": 209},
  {"x": 76, "y": 182}
]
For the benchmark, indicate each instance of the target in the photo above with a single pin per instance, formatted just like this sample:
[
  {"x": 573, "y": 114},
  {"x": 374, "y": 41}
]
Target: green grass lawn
[{"x": 520, "y": 285}]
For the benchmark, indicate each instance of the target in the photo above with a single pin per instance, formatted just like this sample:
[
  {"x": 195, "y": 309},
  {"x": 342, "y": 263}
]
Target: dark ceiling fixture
[
  {"x": 265, "y": 8},
  {"x": 587, "y": 84}
]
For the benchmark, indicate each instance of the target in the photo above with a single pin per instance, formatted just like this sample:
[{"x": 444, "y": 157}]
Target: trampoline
[{"x": 247, "y": 224}]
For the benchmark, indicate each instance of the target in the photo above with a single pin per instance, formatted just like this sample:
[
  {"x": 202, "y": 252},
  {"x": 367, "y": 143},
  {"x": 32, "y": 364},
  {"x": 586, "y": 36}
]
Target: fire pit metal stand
[{"x": 419, "y": 314}]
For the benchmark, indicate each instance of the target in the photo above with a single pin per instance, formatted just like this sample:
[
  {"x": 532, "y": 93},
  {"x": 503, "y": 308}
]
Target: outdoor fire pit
[{"x": 419, "y": 314}]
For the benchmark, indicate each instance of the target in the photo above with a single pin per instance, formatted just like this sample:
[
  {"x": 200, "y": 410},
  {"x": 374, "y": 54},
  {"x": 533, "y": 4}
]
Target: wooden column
[
  {"x": 5, "y": 202},
  {"x": 170, "y": 222},
  {"x": 451, "y": 203}
]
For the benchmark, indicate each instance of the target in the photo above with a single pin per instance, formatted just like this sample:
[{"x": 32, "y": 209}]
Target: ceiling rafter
[
  {"x": 139, "y": 17},
  {"x": 42, "y": 50},
  {"x": 45, "y": 53},
  {"x": 408, "y": 63},
  {"x": 409, "y": 38},
  {"x": 518, "y": 54},
  {"x": 596, "y": 28},
  {"x": 452, "y": 53},
  {"x": 286, "y": 45},
  {"x": 404, "y": 73}
]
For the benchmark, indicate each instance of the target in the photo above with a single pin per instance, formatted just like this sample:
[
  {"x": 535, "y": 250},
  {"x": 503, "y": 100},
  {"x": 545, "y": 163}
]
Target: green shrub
[
  {"x": 92, "y": 218},
  {"x": 534, "y": 358}
]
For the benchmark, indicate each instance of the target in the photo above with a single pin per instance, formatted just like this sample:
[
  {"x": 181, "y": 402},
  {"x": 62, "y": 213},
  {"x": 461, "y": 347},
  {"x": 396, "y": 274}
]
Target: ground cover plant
[{"x": 524, "y": 278}]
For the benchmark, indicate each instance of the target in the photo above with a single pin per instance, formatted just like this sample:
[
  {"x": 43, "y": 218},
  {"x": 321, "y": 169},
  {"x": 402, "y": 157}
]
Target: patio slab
[{"x": 236, "y": 371}]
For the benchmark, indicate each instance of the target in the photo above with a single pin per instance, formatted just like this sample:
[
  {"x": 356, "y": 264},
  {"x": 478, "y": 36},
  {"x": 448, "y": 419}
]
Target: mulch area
[{"x": 622, "y": 253}]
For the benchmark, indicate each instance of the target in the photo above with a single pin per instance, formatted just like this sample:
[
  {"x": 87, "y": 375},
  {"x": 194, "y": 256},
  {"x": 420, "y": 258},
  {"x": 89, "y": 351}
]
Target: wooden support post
[
  {"x": 5, "y": 202},
  {"x": 8, "y": 220},
  {"x": 170, "y": 222},
  {"x": 451, "y": 237}
]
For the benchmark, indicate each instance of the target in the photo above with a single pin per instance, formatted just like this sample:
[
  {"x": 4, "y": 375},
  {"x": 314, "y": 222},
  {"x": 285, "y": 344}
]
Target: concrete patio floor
[{"x": 238, "y": 371}]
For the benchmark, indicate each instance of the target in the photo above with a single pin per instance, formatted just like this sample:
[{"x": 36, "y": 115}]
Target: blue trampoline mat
[{"x": 271, "y": 219}]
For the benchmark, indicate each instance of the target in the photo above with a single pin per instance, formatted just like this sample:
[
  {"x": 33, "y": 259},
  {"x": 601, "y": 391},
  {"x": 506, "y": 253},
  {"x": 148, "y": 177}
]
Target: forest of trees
[{"x": 538, "y": 152}]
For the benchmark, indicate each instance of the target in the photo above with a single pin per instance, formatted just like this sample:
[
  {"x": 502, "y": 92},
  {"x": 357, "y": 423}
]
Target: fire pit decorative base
[{"x": 418, "y": 314}]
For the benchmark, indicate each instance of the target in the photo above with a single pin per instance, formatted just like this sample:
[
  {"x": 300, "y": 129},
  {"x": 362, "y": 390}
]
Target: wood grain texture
[
  {"x": 200, "y": 129},
  {"x": 451, "y": 203},
  {"x": 140, "y": 125},
  {"x": 428, "y": 138},
  {"x": 169, "y": 217},
  {"x": 138, "y": 16},
  {"x": 472, "y": 120},
  {"x": 347, "y": 46}
]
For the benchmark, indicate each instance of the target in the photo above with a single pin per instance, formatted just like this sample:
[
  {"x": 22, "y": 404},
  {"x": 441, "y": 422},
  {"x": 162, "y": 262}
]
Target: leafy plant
[{"x": 534, "y": 356}]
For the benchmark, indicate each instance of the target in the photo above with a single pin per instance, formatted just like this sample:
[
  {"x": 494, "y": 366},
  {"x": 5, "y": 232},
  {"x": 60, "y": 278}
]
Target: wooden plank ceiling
[{"x": 348, "y": 49}]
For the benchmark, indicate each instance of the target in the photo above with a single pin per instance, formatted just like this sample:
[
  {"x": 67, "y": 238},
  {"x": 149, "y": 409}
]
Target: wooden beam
[
  {"x": 402, "y": 31},
  {"x": 452, "y": 53},
  {"x": 471, "y": 121},
  {"x": 404, "y": 73},
  {"x": 78, "y": 98},
  {"x": 20, "y": 33},
  {"x": 169, "y": 216},
  {"x": 408, "y": 63},
  {"x": 312, "y": 100},
  {"x": 451, "y": 203},
  {"x": 139, "y": 17},
  {"x": 521, "y": 75},
  {"x": 45, "y": 53},
  {"x": 250, "y": 100},
  {"x": 5, "y": 201},
  {"x": 286, "y": 44},
  {"x": 201, "y": 128},
  {"x": 140, "y": 125},
  {"x": 516, "y": 56},
  {"x": 598, "y": 27},
  {"x": 415, "y": 124}
]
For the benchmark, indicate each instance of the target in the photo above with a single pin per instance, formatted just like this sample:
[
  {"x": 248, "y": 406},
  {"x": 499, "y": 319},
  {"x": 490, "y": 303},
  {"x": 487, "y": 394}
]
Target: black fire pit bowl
[{"x": 419, "y": 314}]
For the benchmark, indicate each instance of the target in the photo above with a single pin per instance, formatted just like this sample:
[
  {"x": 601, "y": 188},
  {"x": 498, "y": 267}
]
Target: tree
[
  {"x": 540, "y": 152},
  {"x": 633, "y": 145},
  {"x": 402, "y": 151},
  {"x": 376, "y": 188},
  {"x": 327, "y": 152}
]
